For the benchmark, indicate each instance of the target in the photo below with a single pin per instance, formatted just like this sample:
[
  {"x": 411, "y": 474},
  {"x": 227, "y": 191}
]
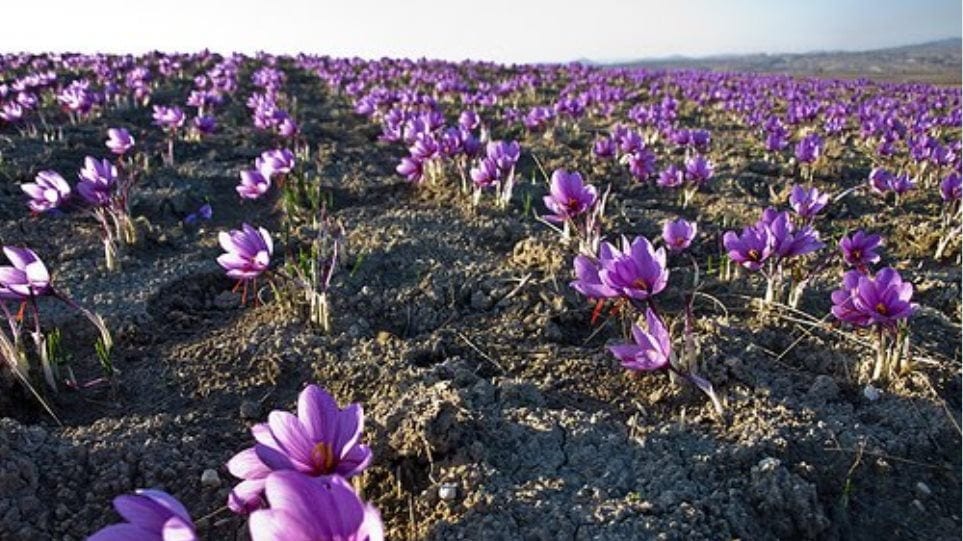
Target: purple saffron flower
[
  {"x": 150, "y": 515},
  {"x": 97, "y": 180},
  {"x": 169, "y": 118},
  {"x": 322, "y": 440},
  {"x": 641, "y": 163},
  {"x": 48, "y": 191},
  {"x": 253, "y": 184},
  {"x": 671, "y": 177},
  {"x": 787, "y": 241},
  {"x": 843, "y": 307},
  {"x": 604, "y": 148},
  {"x": 880, "y": 180},
  {"x": 504, "y": 154},
  {"x": 637, "y": 271},
  {"x": 275, "y": 162},
  {"x": 652, "y": 349},
  {"x": 807, "y": 203},
  {"x": 750, "y": 249},
  {"x": 569, "y": 196},
  {"x": 859, "y": 249},
  {"x": 951, "y": 189},
  {"x": 119, "y": 140},
  {"x": 776, "y": 140},
  {"x": 809, "y": 148},
  {"x": 205, "y": 124},
  {"x": 587, "y": 280},
  {"x": 469, "y": 120},
  {"x": 698, "y": 169},
  {"x": 883, "y": 299},
  {"x": 485, "y": 173},
  {"x": 303, "y": 508},
  {"x": 412, "y": 169},
  {"x": 248, "y": 252},
  {"x": 27, "y": 277},
  {"x": 425, "y": 147},
  {"x": 678, "y": 234},
  {"x": 287, "y": 128},
  {"x": 901, "y": 184},
  {"x": 11, "y": 112},
  {"x": 203, "y": 213}
]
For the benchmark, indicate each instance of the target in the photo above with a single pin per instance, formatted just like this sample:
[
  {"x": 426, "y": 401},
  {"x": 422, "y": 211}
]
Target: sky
[{"x": 499, "y": 30}]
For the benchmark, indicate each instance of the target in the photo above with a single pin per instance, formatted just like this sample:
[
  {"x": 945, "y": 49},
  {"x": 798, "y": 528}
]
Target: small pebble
[
  {"x": 210, "y": 478},
  {"x": 250, "y": 409},
  {"x": 919, "y": 506},
  {"x": 448, "y": 491},
  {"x": 871, "y": 393},
  {"x": 923, "y": 490}
]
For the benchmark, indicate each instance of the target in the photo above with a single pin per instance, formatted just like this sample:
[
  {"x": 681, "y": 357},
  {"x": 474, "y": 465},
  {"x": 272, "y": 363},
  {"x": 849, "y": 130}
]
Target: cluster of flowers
[
  {"x": 777, "y": 240},
  {"x": 272, "y": 163},
  {"x": 109, "y": 81},
  {"x": 25, "y": 281},
  {"x": 881, "y": 301},
  {"x": 631, "y": 275},
  {"x": 294, "y": 482},
  {"x": 104, "y": 190},
  {"x": 264, "y": 105}
]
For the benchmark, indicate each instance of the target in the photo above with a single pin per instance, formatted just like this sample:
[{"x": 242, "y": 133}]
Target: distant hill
[{"x": 936, "y": 61}]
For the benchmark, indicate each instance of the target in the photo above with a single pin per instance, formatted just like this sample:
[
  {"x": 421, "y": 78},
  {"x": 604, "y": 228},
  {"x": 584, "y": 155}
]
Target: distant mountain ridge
[{"x": 935, "y": 61}]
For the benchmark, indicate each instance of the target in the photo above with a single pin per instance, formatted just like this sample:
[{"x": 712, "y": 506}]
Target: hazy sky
[{"x": 503, "y": 30}]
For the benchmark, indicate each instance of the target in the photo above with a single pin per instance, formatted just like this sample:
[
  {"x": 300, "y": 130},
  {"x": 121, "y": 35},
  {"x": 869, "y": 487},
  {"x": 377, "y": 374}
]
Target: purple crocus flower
[
  {"x": 678, "y": 234},
  {"x": 750, "y": 249},
  {"x": 11, "y": 112},
  {"x": 307, "y": 509},
  {"x": 248, "y": 252},
  {"x": 569, "y": 196},
  {"x": 322, "y": 440},
  {"x": 169, "y": 118},
  {"x": 776, "y": 140},
  {"x": 151, "y": 515},
  {"x": 641, "y": 163},
  {"x": 48, "y": 191},
  {"x": 787, "y": 240},
  {"x": 485, "y": 173},
  {"x": 469, "y": 120},
  {"x": 604, "y": 148},
  {"x": 807, "y": 203},
  {"x": 637, "y": 271},
  {"x": 412, "y": 169},
  {"x": 275, "y": 162},
  {"x": 859, "y": 249},
  {"x": 203, "y": 213},
  {"x": 951, "y": 189},
  {"x": 27, "y": 276},
  {"x": 205, "y": 124},
  {"x": 287, "y": 127},
  {"x": 652, "y": 349},
  {"x": 698, "y": 169},
  {"x": 504, "y": 153},
  {"x": 880, "y": 180},
  {"x": 97, "y": 180},
  {"x": 588, "y": 282},
  {"x": 671, "y": 177},
  {"x": 809, "y": 148},
  {"x": 119, "y": 141},
  {"x": 253, "y": 184},
  {"x": 883, "y": 299},
  {"x": 843, "y": 307},
  {"x": 901, "y": 184}
]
